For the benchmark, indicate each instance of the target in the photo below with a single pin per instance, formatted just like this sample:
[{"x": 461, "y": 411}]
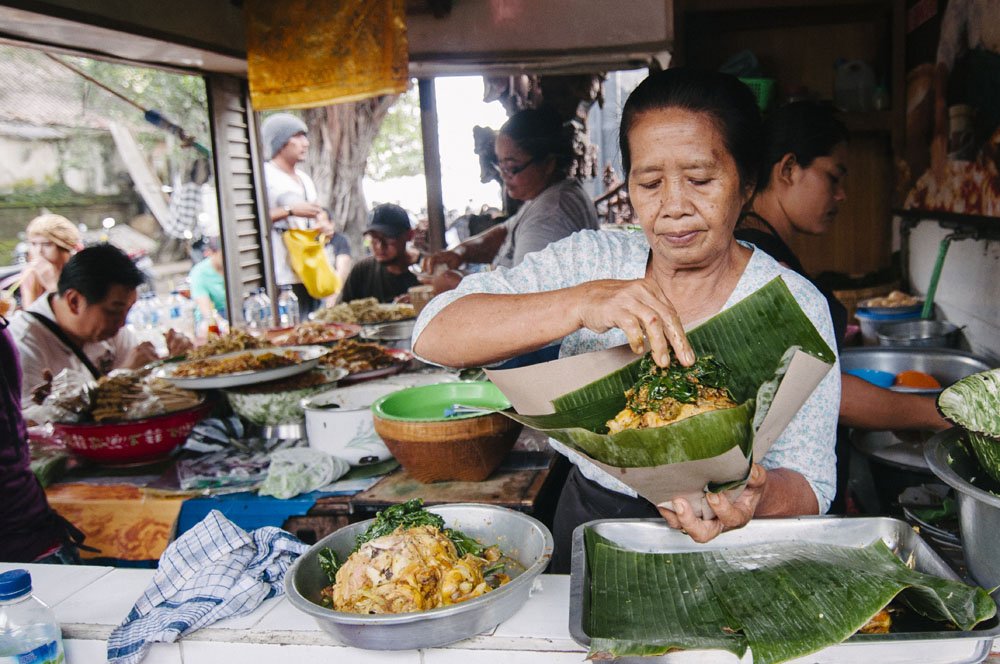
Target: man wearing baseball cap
[
  {"x": 291, "y": 197},
  {"x": 385, "y": 275}
]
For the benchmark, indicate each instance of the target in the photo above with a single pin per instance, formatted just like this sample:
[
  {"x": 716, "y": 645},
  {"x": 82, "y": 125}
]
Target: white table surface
[{"x": 91, "y": 601}]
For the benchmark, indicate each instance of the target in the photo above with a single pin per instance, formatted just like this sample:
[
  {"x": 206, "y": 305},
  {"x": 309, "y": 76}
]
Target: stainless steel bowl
[
  {"x": 978, "y": 510},
  {"x": 519, "y": 536},
  {"x": 921, "y": 333},
  {"x": 945, "y": 365},
  {"x": 394, "y": 335}
]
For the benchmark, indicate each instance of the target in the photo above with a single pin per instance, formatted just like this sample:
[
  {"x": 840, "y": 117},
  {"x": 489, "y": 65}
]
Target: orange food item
[{"x": 916, "y": 379}]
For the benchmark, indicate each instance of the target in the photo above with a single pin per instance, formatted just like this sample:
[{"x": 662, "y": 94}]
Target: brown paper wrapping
[{"x": 302, "y": 54}]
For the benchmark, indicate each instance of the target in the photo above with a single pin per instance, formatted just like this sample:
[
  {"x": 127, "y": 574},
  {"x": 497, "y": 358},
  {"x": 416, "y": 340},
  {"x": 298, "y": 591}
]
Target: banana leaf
[
  {"x": 752, "y": 338},
  {"x": 784, "y": 600}
]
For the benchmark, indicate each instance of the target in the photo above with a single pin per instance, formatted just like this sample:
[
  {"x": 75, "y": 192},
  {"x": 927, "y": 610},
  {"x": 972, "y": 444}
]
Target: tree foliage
[{"x": 398, "y": 148}]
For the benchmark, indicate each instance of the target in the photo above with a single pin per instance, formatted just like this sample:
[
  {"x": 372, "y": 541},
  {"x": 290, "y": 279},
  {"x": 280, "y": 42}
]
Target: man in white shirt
[
  {"x": 82, "y": 325},
  {"x": 291, "y": 197}
]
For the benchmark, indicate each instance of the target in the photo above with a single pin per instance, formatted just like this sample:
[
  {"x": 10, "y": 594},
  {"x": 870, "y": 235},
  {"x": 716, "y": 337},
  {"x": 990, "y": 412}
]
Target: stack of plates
[{"x": 941, "y": 535}]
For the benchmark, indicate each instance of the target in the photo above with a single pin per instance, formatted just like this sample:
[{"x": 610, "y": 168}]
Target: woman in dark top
[
  {"x": 30, "y": 531},
  {"x": 799, "y": 191}
]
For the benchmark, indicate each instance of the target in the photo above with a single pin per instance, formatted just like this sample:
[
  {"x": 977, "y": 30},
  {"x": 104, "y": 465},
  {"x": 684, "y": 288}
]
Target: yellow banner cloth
[
  {"x": 302, "y": 53},
  {"x": 121, "y": 520}
]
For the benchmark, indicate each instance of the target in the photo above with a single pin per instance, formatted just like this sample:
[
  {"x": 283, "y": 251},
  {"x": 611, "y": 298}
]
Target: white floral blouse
[{"x": 806, "y": 446}]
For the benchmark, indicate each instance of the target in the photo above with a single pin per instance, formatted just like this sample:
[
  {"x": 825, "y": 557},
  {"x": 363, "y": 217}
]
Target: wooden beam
[{"x": 432, "y": 163}]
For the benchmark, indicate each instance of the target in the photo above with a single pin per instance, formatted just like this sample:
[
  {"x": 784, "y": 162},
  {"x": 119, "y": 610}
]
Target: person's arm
[
  {"x": 298, "y": 209},
  {"x": 31, "y": 287},
  {"x": 481, "y": 329},
  {"x": 867, "y": 406},
  {"x": 343, "y": 266},
  {"x": 205, "y": 306},
  {"x": 480, "y": 248}
]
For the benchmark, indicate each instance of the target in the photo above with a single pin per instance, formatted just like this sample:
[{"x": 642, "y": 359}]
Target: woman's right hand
[
  {"x": 641, "y": 310},
  {"x": 442, "y": 260}
]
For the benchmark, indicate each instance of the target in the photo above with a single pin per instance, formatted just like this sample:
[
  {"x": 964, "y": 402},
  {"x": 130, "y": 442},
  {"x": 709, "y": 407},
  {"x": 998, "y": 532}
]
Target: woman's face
[
  {"x": 684, "y": 186},
  {"x": 814, "y": 198},
  {"x": 524, "y": 176},
  {"x": 42, "y": 248}
]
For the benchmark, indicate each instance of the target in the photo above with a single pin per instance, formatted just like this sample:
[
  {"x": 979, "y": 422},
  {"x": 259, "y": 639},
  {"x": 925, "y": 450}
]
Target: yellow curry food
[{"x": 664, "y": 395}]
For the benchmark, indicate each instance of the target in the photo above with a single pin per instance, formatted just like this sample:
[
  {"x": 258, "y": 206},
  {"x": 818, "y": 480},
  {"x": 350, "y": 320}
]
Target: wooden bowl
[{"x": 435, "y": 448}]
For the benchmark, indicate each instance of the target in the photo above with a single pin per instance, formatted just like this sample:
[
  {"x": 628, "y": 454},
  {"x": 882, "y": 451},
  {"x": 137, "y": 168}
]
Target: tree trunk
[{"x": 340, "y": 138}]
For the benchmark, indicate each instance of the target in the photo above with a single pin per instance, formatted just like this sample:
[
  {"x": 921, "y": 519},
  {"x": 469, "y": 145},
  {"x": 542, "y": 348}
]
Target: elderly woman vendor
[{"x": 690, "y": 146}]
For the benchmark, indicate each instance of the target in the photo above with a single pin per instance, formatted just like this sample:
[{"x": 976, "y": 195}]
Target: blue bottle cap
[{"x": 15, "y": 583}]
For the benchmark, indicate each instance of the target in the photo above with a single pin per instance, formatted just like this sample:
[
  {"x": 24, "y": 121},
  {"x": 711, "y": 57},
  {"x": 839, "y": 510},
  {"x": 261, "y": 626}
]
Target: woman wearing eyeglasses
[
  {"x": 53, "y": 239},
  {"x": 534, "y": 153}
]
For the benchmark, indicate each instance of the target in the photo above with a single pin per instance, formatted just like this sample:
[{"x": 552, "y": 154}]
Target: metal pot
[
  {"x": 978, "y": 510},
  {"x": 923, "y": 333},
  {"x": 339, "y": 422},
  {"x": 394, "y": 335}
]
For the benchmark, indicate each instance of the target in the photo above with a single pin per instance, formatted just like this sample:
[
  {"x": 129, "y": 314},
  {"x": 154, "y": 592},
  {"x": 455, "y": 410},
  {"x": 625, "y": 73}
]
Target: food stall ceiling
[
  {"x": 60, "y": 34},
  {"x": 476, "y": 37}
]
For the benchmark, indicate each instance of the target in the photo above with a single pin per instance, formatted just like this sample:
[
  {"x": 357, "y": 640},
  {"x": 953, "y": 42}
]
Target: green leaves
[{"x": 784, "y": 600}]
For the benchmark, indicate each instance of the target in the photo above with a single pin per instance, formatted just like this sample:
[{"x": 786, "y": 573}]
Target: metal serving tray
[{"x": 653, "y": 535}]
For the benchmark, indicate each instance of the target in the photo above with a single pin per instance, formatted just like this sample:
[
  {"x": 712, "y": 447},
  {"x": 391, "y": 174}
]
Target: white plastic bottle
[
  {"x": 265, "y": 309},
  {"x": 288, "y": 307},
  {"x": 29, "y": 633},
  {"x": 180, "y": 311},
  {"x": 251, "y": 311}
]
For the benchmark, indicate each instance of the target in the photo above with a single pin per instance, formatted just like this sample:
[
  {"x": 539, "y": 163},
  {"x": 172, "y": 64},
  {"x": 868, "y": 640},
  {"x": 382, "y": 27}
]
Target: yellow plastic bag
[{"x": 308, "y": 259}]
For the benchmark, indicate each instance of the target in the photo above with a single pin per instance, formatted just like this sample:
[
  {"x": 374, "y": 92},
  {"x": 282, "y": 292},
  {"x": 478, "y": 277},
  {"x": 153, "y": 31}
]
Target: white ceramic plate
[{"x": 308, "y": 358}]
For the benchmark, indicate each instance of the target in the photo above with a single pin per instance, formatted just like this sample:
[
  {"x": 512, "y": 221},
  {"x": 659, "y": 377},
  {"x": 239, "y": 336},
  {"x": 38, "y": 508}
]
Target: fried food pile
[
  {"x": 311, "y": 332},
  {"x": 228, "y": 343},
  {"x": 235, "y": 364},
  {"x": 663, "y": 396},
  {"x": 407, "y": 561},
  {"x": 356, "y": 357},
  {"x": 365, "y": 310}
]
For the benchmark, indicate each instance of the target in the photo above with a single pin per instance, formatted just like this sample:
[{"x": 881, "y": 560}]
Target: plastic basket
[{"x": 763, "y": 90}]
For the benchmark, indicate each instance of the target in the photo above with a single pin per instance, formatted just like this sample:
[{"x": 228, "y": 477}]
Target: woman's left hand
[{"x": 729, "y": 514}]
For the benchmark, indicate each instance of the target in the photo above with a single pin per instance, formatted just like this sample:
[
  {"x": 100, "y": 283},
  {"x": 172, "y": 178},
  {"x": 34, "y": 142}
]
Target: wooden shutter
[{"x": 242, "y": 211}]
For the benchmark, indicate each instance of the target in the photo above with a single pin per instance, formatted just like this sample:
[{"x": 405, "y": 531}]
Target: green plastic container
[
  {"x": 763, "y": 89},
  {"x": 429, "y": 403}
]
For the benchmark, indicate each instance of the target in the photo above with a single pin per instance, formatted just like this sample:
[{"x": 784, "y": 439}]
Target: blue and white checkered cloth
[{"x": 213, "y": 571}]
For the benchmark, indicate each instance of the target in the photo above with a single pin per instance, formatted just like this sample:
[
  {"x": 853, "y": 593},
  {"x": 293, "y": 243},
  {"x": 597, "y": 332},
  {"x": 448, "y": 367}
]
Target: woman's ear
[{"x": 784, "y": 169}]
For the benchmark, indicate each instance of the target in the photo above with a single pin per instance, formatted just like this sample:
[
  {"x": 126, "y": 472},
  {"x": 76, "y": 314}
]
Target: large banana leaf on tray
[
  {"x": 753, "y": 339},
  {"x": 783, "y": 600}
]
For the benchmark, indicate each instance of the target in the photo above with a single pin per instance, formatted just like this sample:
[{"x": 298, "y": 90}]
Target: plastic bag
[
  {"x": 70, "y": 398},
  {"x": 307, "y": 256},
  {"x": 301, "y": 470}
]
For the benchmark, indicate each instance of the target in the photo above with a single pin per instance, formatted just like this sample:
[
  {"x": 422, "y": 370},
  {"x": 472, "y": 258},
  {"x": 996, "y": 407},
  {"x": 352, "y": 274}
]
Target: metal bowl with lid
[
  {"x": 519, "y": 536},
  {"x": 950, "y": 459}
]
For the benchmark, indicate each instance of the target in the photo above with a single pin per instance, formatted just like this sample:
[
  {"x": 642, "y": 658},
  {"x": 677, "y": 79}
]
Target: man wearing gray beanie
[{"x": 291, "y": 197}]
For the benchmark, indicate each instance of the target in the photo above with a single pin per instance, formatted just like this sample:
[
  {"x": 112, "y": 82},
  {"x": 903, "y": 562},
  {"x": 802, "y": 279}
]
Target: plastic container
[
  {"x": 870, "y": 323},
  {"x": 853, "y": 86},
  {"x": 28, "y": 628}
]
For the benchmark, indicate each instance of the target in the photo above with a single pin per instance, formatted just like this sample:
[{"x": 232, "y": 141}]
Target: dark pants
[
  {"x": 307, "y": 303},
  {"x": 581, "y": 501}
]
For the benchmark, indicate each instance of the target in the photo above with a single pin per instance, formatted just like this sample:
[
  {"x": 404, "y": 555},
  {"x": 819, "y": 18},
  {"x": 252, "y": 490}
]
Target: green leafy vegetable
[
  {"x": 328, "y": 563},
  {"x": 410, "y": 515},
  {"x": 676, "y": 381}
]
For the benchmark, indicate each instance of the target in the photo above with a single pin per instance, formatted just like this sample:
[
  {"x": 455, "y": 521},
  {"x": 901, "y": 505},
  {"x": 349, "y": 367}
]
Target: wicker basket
[
  {"x": 466, "y": 450},
  {"x": 850, "y": 298}
]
